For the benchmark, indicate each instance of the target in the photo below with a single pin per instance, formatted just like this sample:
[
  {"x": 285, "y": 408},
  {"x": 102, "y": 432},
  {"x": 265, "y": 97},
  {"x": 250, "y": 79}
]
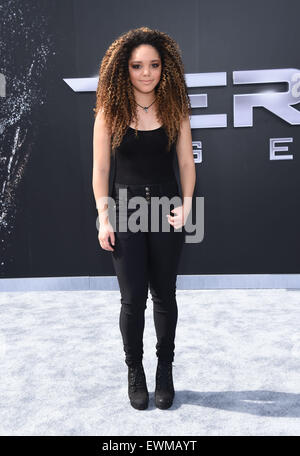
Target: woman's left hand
[{"x": 180, "y": 218}]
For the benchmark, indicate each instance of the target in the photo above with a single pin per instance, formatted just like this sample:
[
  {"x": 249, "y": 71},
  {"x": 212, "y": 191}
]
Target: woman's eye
[{"x": 137, "y": 65}]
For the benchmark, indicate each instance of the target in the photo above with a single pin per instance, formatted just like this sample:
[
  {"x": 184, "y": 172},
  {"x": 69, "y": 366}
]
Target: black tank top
[{"x": 144, "y": 159}]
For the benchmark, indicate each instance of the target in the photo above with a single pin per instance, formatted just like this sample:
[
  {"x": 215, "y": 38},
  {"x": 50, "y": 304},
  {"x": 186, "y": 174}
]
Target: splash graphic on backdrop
[{"x": 24, "y": 48}]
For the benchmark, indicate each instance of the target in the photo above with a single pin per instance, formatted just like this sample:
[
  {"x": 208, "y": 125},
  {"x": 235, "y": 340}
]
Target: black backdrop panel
[{"x": 251, "y": 203}]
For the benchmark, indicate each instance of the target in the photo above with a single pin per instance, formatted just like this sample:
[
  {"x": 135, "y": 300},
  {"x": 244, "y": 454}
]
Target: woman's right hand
[{"x": 106, "y": 235}]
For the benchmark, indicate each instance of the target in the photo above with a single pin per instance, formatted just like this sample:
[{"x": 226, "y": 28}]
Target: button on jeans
[{"x": 147, "y": 259}]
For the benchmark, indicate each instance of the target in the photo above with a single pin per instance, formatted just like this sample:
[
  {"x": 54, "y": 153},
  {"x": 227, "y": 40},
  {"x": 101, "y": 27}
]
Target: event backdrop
[{"x": 242, "y": 67}]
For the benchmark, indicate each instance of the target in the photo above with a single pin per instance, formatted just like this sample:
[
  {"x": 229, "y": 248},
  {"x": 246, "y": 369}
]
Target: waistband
[{"x": 156, "y": 189}]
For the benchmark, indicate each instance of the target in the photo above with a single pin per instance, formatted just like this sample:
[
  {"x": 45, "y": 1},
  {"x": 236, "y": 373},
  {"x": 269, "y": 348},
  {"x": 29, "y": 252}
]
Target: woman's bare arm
[
  {"x": 186, "y": 163},
  {"x": 101, "y": 161},
  {"x": 101, "y": 170}
]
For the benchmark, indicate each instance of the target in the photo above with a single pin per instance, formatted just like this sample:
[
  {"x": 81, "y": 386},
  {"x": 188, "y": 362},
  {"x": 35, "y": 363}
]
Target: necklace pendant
[{"x": 146, "y": 109}]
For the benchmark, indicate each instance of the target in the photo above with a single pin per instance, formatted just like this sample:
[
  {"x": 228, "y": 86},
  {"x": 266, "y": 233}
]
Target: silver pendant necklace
[{"x": 145, "y": 108}]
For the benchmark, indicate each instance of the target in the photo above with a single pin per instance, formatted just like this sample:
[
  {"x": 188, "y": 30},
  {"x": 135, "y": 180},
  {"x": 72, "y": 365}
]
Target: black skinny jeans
[{"x": 145, "y": 259}]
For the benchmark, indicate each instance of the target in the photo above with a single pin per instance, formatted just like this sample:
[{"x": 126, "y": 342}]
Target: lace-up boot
[
  {"x": 137, "y": 387},
  {"x": 164, "y": 389}
]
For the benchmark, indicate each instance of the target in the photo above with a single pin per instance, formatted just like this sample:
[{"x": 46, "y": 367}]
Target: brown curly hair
[{"x": 115, "y": 96}]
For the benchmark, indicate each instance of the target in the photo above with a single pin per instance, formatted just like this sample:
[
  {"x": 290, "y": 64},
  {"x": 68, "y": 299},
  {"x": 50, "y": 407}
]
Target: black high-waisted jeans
[{"x": 145, "y": 259}]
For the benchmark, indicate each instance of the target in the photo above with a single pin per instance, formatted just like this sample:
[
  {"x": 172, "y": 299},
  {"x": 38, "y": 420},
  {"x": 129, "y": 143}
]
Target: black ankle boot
[
  {"x": 164, "y": 389},
  {"x": 137, "y": 387}
]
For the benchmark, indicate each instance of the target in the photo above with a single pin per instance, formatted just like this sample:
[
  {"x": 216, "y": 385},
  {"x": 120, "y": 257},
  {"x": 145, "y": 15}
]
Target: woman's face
[{"x": 144, "y": 68}]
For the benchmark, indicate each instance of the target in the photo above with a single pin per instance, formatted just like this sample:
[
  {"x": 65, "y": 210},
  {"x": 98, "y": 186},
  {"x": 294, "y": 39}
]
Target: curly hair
[{"x": 115, "y": 96}]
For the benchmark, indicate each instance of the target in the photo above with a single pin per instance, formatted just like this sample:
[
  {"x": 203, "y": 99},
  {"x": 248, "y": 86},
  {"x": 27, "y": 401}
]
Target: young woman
[{"x": 142, "y": 117}]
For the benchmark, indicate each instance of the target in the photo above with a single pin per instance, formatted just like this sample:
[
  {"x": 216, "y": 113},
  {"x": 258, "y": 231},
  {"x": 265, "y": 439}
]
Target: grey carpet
[{"x": 236, "y": 369}]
